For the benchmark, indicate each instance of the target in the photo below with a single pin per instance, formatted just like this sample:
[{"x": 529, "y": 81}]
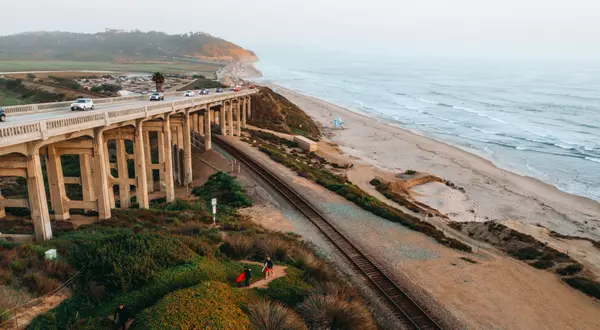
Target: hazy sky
[{"x": 538, "y": 28}]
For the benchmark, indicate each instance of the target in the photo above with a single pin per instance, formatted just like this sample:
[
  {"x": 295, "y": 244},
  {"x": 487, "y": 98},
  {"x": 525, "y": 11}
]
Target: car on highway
[
  {"x": 237, "y": 89},
  {"x": 82, "y": 104},
  {"x": 189, "y": 93},
  {"x": 157, "y": 97},
  {"x": 219, "y": 90},
  {"x": 203, "y": 92},
  {"x": 252, "y": 86},
  {"x": 2, "y": 115}
]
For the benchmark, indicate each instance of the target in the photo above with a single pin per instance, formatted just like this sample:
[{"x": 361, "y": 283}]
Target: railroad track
[{"x": 403, "y": 307}]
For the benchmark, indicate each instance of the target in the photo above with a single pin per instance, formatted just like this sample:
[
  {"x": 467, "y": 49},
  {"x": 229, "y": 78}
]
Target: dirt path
[{"x": 278, "y": 271}]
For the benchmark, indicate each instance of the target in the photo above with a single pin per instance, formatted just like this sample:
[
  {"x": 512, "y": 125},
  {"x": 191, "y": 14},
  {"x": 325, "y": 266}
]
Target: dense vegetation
[
  {"x": 173, "y": 269},
  {"x": 317, "y": 169},
  {"x": 273, "y": 111},
  {"x": 202, "y": 82},
  {"x": 118, "y": 46},
  {"x": 17, "y": 90}
]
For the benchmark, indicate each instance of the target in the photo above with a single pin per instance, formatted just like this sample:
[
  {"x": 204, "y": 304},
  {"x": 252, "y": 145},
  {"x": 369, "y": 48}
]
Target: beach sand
[
  {"x": 522, "y": 203},
  {"x": 500, "y": 195}
]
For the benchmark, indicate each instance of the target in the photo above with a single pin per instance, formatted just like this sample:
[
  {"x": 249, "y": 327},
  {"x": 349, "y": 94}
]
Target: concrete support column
[
  {"x": 38, "y": 205},
  {"x": 230, "y": 119},
  {"x": 168, "y": 183},
  {"x": 207, "y": 133},
  {"x": 148, "y": 154},
  {"x": 87, "y": 178},
  {"x": 201, "y": 130},
  {"x": 187, "y": 150},
  {"x": 161, "y": 159},
  {"x": 111, "y": 192},
  {"x": 244, "y": 112},
  {"x": 103, "y": 189},
  {"x": 222, "y": 119},
  {"x": 56, "y": 181},
  {"x": 238, "y": 119},
  {"x": 250, "y": 107},
  {"x": 140, "y": 167},
  {"x": 124, "y": 189}
]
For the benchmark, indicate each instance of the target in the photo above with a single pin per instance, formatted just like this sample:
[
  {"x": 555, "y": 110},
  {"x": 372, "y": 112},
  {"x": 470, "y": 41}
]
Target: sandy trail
[{"x": 278, "y": 271}]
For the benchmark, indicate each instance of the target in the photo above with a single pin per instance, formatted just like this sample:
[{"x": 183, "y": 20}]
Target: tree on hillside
[{"x": 159, "y": 79}]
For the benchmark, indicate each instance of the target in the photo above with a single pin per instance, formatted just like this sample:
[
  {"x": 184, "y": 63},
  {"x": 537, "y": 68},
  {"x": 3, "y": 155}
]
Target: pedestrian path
[{"x": 278, "y": 271}]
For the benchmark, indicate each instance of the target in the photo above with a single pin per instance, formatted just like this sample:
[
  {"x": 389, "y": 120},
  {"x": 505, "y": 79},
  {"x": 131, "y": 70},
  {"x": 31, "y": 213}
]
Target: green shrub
[
  {"x": 329, "y": 312},
  {"x": 238, "y": 246},
  {"x": 289, "y": 289},
  {"x": 210, "y": 305},
  {"x": 543, "y": 264},
  {"x": 571, "y": 269},
  {"x": 17, "y": 266},
  {"x": 39, "y": 284},
  {"x": 125, "y": 260},
  {"x": 265, "y": 314},
  {"x": 526, "y": 253},
  {"x": 225, "y": 189},
  {"x": 584, "y": 285}
]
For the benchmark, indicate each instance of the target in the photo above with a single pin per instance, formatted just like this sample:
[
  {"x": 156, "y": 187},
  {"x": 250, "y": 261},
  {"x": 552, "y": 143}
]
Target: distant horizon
[{"x": 536, "y": 29}]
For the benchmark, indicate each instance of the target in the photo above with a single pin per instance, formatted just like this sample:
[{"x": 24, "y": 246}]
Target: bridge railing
[
  {"x": 34, "y": 108},
  {"x": 24, "y": 132}
]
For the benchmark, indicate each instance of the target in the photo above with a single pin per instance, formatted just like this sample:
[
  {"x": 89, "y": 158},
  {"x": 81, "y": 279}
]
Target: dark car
[
  {"x": 2, "y": 115},
  {"x": 219, "y": 90},
  {"x": 203, "y": 92}
]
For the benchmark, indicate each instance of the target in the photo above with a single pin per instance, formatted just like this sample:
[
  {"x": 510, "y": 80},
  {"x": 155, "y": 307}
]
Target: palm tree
[{"x": 159, "y": 79}]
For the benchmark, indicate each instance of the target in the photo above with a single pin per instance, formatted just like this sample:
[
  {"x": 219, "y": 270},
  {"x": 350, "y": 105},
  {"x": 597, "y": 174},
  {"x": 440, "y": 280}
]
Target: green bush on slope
[{"x": 209, "y": 305}]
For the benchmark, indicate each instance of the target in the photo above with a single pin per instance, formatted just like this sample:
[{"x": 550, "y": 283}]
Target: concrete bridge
[{"x": 120, "y": 137}]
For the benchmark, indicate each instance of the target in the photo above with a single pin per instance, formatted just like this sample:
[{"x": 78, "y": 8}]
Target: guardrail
[
  {"x": 34, "y": 108},
  {"x": 25, "y": 132}
]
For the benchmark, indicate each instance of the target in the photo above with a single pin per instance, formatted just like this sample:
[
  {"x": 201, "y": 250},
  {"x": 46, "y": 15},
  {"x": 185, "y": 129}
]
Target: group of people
[{"x": 247, "y": 273}]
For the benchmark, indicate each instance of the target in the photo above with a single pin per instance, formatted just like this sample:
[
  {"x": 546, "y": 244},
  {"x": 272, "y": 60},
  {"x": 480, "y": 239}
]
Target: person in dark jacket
[
  {"x": 247, "y": 276},
  {"x": 122, "y": 315},
  {"x": 268, "y": 268}
]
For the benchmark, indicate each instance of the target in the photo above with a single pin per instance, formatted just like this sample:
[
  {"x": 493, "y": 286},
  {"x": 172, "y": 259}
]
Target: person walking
[
  {"x": 247, "y": 276},
  {"x": 122, "y": 315},
  {"x": 268, "y": 268}
]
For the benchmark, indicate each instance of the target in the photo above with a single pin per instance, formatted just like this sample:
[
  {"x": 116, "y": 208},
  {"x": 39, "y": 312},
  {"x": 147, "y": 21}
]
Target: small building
[{"x": 305, "y": 143}]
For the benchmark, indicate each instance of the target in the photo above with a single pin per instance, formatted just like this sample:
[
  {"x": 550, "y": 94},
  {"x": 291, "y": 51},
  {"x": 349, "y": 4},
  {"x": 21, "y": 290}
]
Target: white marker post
[{"x": 214, "y": 209}]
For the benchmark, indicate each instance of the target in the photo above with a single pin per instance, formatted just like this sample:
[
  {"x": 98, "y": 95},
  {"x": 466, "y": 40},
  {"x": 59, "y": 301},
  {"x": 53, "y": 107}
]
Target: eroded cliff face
[{"x": 226, "y": 53}]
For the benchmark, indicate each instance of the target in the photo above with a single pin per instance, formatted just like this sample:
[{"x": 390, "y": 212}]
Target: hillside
[
  {"x": 121, "y": 47},
  {"x": 273, "y": 111}
]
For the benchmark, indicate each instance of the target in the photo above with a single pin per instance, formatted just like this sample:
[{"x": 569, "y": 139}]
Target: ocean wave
[
  {"x": 426, "y": 101},
  {"x": 534, "y": 170},
  {"x": 482, "y": 130},
  {"x": 479, "y": 114},
  {"x": 597, "y": 160}
]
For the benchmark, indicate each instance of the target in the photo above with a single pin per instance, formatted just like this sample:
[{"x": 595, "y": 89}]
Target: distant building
[{"x": 114, "y": 30}]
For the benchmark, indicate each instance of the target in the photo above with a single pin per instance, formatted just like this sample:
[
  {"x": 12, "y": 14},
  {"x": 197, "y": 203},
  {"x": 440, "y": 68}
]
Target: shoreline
[{"x": 502, "y": 195}]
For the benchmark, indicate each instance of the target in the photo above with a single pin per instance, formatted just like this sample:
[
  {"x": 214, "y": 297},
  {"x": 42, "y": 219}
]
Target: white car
[
  {"x": 189, "y": 93},
  {"x": 82, "y": 104},
  {"x": 157, "y": 97}
]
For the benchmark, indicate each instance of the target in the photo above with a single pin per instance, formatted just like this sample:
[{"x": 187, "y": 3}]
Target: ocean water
[{"x": 533, "y": 118}]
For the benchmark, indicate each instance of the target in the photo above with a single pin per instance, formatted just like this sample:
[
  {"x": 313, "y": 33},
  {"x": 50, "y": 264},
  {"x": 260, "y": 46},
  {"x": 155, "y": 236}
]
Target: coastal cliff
[
  {"x": 273, "y": 111},
  {"x": 121, "y": 47}
]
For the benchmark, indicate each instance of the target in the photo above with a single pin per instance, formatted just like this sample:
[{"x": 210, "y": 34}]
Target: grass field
[{"x": 175, "y": 67}]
